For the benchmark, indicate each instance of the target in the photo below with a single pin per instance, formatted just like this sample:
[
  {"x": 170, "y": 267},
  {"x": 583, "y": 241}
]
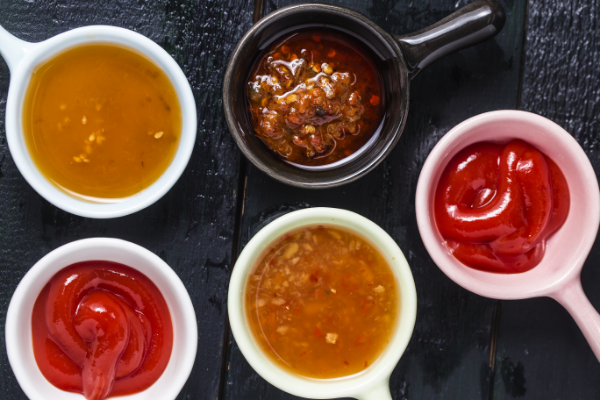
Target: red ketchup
[
  {"x": 495, "y": 205},
  {"x": 101, "y": 329}
]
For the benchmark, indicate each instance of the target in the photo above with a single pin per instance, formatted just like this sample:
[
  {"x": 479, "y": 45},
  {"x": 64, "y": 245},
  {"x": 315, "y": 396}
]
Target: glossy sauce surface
[
  {"x": 101, "y": 122},
  {"x": 322, "y": 303},
  {"x": 497, "y": 204},
  {"x": 315, "y": 97},
  {"x": 101, "y": 329}
]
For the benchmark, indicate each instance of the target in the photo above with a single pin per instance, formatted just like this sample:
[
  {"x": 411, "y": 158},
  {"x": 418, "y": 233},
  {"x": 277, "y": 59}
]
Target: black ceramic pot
[{"x": 399, "y": 59}]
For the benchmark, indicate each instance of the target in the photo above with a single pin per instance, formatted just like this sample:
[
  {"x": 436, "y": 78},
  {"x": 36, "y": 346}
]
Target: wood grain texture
[
  {"x": 448, "y": 356},
  {"x": 541, "y": 352},
  {"x": 191, "y": 228}
]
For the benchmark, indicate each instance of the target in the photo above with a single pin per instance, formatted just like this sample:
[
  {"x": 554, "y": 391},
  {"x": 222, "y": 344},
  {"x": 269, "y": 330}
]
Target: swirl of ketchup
[
  {"x": 101, "y": 329},
  {"x": 495, "y": 205}
]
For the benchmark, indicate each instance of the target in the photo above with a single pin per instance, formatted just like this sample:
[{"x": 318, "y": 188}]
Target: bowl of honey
[
  {"x": 100, "y": 120},
  {"x": 322, "y": 304},
  {"x": 99, "y": 318}
]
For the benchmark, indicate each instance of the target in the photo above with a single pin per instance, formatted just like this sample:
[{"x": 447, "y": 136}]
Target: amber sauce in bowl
[
  {"x": 322, "y": 303},
  {"x": 315, "y": 97},
  {"x": 101, "y": 122}
]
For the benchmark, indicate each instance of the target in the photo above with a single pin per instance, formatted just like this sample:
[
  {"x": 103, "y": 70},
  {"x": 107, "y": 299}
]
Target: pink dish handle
[{"x": 572, "y": 297}]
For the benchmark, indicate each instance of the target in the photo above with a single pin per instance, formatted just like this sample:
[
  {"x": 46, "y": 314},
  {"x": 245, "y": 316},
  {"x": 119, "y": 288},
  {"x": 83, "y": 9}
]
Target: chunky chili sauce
[
  {"x": 101, "y": 329},
  {"x": 497, "y": 204},
  {"x": 315, "y": 97},
  {"x": 322, "y": 303}
]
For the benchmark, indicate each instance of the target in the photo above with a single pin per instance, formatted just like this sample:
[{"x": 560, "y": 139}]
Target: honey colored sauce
[
  {"x": 322, "y": 303},
  {"x": 101, "y": 121}
]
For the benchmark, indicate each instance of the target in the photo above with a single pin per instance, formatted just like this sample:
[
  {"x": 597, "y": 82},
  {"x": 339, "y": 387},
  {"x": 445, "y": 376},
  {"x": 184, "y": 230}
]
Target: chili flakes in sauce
[
  {"x": 315, "y": 97},
  {"x": 322, "y": 303}
]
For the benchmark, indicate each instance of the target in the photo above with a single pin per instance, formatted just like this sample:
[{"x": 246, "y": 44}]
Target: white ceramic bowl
[
  {"x": 373, "y": 383},
  {"x": 23, "y": 57},
  {"x": 18, "y": 319}
]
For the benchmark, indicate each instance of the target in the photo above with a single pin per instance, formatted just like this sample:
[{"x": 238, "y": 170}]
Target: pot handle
[
  {"x": 572, "y": 297},
  {"x": 473, "y": 23},
  {"x": 12, "y": 48},
  {"x": 381, "y": 391}
]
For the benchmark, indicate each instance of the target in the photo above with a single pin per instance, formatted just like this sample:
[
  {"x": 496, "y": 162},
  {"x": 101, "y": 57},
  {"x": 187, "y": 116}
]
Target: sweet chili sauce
[
  {"x": 315, "y": 97},
  {"x": 495, "y": 205},
  {"x": 101, "y": 329},
  {"x": 322, "y": 303}
]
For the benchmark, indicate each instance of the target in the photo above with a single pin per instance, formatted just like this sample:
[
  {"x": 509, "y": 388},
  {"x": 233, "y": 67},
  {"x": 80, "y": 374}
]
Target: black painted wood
[
  {"x": 448, "y": 356},
  {"x": 541, "y": 352},
  {"x": 192, "y": 227}
]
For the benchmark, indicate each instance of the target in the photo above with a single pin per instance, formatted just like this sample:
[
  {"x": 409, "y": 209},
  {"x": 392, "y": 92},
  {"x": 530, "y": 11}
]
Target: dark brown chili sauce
[{"x": 315, "y": 97}]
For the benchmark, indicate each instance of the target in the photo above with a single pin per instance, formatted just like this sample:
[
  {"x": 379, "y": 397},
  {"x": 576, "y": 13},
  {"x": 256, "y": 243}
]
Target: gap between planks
[
  {"x": 498, "y": 305},
  {"x": 240, "y": 200},
  {"x": 523, "y": 55},
  {"x": 235, "y": 248},
  {"x": 493, "y": 347}
]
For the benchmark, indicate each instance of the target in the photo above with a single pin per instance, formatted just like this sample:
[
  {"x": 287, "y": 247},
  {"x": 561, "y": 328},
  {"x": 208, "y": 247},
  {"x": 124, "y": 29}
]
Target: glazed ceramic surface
[
  {"x": 399, "y": 59},
  {"x": 23, "y": 57},
  {"x": 18, "y": 319}
]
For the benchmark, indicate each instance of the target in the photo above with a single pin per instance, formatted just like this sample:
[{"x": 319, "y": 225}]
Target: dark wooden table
[{"x": 546, "y": 60}]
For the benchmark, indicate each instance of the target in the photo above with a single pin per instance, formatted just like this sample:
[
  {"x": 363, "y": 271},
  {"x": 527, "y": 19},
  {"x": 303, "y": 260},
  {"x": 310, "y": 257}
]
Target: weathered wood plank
[
  {"x": 541, "y": 352},
  {"x": 191, "y": 228},
  {"x": 448, "y": 355}
]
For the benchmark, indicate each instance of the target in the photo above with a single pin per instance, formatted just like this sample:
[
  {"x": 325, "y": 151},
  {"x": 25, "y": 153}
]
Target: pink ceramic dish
[{"x": 558, "y": 274}]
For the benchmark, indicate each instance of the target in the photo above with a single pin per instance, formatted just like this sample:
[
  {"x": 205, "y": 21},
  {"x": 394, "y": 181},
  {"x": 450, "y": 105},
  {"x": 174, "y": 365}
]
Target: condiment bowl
[
  {"x": 18, "y": 319},
  {"x": 23, "y": 58},
  {"x": 371, "y": 384},
  {"x": 399, "y": 59},
  {"x": 558, "y": 274}
]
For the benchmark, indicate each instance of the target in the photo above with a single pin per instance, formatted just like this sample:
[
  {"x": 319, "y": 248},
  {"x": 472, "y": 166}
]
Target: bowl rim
[
  {"x": 18, "y": 318},
  {"x": 37, "y": 53},
  {"x": 551, "y": 274},
  {"x": 238, "y": 133},
  {"x": 356, "y": 385}
]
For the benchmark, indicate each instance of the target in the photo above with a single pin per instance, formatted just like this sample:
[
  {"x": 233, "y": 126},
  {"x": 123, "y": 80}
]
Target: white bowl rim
[
  {"x": 18, "y": 334},
  {"x": 551, "y": 274},
  {"x": 34, "y": 54},
  {"x": 379, "y": 372}
]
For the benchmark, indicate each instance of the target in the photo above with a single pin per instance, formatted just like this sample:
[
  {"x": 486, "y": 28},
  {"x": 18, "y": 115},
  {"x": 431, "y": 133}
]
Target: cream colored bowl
[{"x": 371, "y": 384}]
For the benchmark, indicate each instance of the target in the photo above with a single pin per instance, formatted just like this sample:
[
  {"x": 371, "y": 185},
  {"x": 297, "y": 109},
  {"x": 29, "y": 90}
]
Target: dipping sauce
[
  {"x": 101, "y": 122},
  {"x": 322, "y": 303},
  {"x": 495, "y": 205},
  {"x": 315, "y": 97},
  {"x": 101, "y": 329}
]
